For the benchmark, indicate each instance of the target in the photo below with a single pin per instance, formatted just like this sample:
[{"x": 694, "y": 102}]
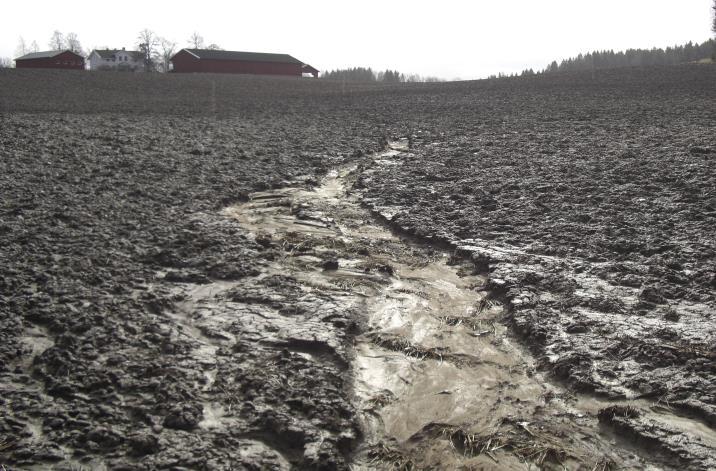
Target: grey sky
[{"x": 447, "y": 38}]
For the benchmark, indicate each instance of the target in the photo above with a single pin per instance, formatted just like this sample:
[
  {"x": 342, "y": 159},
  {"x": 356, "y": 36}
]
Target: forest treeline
[
  {"x": 689, "y": 52},
  {"x": 363, "y": 74}
]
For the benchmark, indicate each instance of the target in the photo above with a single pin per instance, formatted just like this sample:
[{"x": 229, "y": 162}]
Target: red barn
[
  {"x": 51, "y": 60},
  {"x": 237, "y": 62}
]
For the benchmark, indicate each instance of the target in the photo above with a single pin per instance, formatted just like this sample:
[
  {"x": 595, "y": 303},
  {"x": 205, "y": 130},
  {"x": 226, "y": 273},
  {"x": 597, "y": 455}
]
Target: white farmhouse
[{"x": 116, "y": 59}]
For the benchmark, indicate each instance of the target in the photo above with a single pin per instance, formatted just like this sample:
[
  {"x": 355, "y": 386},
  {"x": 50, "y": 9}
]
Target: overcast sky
[{"x": 445, "y": 38}]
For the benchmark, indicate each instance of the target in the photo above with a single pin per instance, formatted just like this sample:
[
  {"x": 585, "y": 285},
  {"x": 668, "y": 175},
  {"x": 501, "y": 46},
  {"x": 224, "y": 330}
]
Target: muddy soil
[
  {"x": 437, "y": 380},
  {"x": 111, "y": 233},
  {"x": 529, "y": 283},
  {"x": 597, "y": 231}
]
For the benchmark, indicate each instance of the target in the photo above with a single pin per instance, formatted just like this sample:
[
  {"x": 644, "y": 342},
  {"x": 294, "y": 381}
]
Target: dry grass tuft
[
  {"x": 478, "y": 326},
  {"x": 486, "y": 304},
  {"x": 400, "y": 344},
  {"x": 471, "y": 444},
  {"x": 605, "y": 464},
  {"x": 523, "y": 442},
  {"x": 610, "y": 413},
  {"x": 412, "y": 292},
  {"x": 392, "y": 457},
  {"x": 381, "y": 399}
]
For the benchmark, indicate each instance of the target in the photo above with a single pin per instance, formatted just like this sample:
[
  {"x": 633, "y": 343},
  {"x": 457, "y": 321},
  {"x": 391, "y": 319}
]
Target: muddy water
[{"x": 437, "y": 380}]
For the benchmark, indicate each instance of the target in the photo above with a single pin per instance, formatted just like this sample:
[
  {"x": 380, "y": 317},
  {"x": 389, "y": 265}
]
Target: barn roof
[
  {"x": 213, "y": 54},
  {"x": 109, "y": 53},
  {"x": 41, "y": 55}
]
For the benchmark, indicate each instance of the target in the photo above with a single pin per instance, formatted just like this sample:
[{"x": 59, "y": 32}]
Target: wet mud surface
[
  {"x": 239, "y": 278},
  {"x": 599, "y": 239},
  {"x": 118, "y": 270},
  {"x": 435, "y": 378}
]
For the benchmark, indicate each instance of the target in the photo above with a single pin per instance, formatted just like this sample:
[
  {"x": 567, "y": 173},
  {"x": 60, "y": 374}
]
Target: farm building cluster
[{"x": 184, "y": 61}]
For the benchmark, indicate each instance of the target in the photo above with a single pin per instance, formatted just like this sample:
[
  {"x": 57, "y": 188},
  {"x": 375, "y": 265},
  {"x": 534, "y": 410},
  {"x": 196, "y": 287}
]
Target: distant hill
[{"x": 689, "y": 52}]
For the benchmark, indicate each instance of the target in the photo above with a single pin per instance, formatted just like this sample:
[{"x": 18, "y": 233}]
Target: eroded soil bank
[{"x": 437, "y": 380}]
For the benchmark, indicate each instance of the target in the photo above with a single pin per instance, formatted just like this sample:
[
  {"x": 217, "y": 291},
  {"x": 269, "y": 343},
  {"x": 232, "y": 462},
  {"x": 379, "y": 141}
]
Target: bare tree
[
  {"x": 5, "y": 63},
  {"x": 34, "y": 47},
  {"x": 214, "y": 47},
  {"x": 22, "y": 48},
  {"x": 72, "y": 43},
  {"x": 196, "y": 41},
  {"x": 147, "y": 43},
  {"x": 167, "y": 49},
  {"x": 57, "y": 41}
]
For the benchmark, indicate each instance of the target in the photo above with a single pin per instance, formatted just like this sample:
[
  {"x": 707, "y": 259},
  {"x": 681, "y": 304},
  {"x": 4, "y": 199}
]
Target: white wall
[{"x": 97, "y": 62}]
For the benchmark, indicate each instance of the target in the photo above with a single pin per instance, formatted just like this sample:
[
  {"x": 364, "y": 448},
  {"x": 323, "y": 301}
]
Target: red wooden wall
[
  {"x": 185, "y": 62},
  {"x": 66, "y": 60}
]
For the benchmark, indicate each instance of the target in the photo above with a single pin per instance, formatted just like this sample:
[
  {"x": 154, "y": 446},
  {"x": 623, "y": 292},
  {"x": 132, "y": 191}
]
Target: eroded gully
[{"x": 436, "y": 378}]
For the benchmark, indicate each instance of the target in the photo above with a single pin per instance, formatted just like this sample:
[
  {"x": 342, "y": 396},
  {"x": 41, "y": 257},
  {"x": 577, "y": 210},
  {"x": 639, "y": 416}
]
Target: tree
[
  {"x": 5, "y": 63},
  {"x": 73, "y": 43},
  {"x": 362, "y": 74},
  {"x": 688, "y": 52},
  {"x": 390, "y": 76},
  {"x": 34, "y": 47},
  {"x": 196, "y": 41},
  {"x": 356, "y": 74},
  {"x": 57, "y": 41},
  {"x": 167, "y": 48},
  {"x": 22, "y": 48},
  {"x": 214, "y": 47},
  {"x": 147, "y": 43}
]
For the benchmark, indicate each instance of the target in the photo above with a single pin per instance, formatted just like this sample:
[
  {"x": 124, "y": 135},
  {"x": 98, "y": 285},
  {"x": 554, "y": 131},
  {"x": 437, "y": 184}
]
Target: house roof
[
  {"x": 42, "y": 55},
  {"x": 308, "y": 68},
  {"x": 109, "y": 53},
  {"x": 213, "y": 54}
]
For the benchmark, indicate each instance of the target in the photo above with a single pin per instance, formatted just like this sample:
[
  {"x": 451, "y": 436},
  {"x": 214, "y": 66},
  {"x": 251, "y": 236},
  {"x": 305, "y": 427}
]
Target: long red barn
[
  {"x": 51, "y": 60},
  {"x": 238, "y": 62}
]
